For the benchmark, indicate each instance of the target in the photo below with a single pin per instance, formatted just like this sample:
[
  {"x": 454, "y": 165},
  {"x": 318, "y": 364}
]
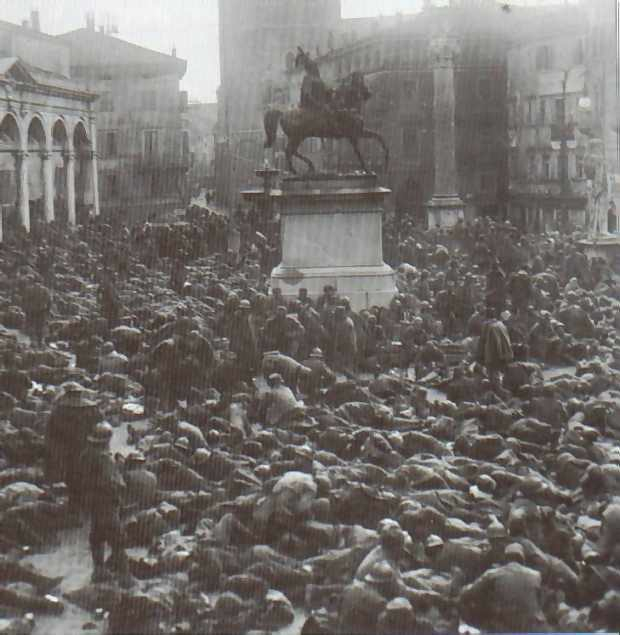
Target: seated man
[
  {"x": 278, "y": 403},
  {"x": 319, "y": 377},
  {"x": 507, "y": 598}
]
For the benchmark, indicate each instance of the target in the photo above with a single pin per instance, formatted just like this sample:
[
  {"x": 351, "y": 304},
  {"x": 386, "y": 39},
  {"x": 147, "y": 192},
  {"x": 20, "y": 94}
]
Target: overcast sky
[{"x": 191, "y": 25}]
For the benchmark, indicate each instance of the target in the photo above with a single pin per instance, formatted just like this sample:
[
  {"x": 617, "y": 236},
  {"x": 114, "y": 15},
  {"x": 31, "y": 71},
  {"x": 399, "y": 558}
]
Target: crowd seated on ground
[{"x": 445, "y": 463}]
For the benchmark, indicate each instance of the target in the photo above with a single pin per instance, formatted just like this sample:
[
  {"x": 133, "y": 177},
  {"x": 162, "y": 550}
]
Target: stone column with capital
[
  {"x": 23, "y": 189},
  {"x": 70, "y": 187},
  {"x": 48, "y": 186},
  {"x": 446, "y": 207},
  {"x": 95, "y": 182}
]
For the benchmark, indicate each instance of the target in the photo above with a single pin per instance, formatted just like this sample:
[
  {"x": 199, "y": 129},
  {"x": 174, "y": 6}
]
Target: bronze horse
[{"x": 341, "y": 119}]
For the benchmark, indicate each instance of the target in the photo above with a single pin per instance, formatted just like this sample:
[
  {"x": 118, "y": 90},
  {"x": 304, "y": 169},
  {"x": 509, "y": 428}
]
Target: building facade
[
  {"x": 48, "y": 134},
  {"x": 143, "y": 136},
  {"x": 548, "y": 128}
]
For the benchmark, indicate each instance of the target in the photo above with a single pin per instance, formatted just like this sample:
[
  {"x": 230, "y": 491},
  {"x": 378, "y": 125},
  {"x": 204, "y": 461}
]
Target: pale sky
[{"x": 191, "y": 25}]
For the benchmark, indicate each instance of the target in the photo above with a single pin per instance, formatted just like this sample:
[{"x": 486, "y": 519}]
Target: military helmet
[{"x": 102, "y": 434}]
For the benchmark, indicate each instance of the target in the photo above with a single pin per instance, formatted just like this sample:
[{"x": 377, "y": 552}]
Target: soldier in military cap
[
  {"x": 74, "y": 416},
  {"x": 104, "y": 489}
]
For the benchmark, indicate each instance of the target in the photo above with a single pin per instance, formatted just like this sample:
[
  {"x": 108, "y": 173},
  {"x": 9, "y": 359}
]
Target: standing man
[
  {"x": 105, "y": 489},
  {"x": 73, "y": 418},
  {"x": 37, "y": 306}
]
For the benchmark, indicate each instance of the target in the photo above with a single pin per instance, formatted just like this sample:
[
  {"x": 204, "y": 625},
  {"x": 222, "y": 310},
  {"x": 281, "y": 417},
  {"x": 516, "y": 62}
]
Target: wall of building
[
  {"x": 35, "y": 48},
  {"x": 136, "y": 167},
  {"x": 143, "y": 139}
]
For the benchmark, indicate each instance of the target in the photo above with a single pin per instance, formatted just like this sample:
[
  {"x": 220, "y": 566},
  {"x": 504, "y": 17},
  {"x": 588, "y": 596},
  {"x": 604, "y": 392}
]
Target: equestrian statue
[{"x": 323, "y": 113}]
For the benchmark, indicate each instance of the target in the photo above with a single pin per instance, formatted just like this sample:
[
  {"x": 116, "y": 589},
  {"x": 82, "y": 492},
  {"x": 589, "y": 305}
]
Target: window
[
  {"x": 531, "y": 167},
  {"x": 579, "y": 166},
  {"x": 486, "y": 144},
  {"x": 579, "y": 55},
  {"x": 559, "y": 111},
  {"x": 484, "y": 88},
  {"x": 111, "y": 185},
  {"x": 149, "y": 100},
  {"x": 542, "y": 113},
  {"x": 546, "y": 167},
  {"x": 409, "y": 88},
  {"x": 531, "y": 103},
  {"x": 106, "y": 103},
  {"x": 514, "y": 163},
  {"x": 487, "y": 182},
  {"x": 185, "y": 141},
  {"x": 543, "y": 58},
  {"x": 150, "y": 143},
  {"x": 110, "y": 147},
  {"x": 409, "y": 141}
]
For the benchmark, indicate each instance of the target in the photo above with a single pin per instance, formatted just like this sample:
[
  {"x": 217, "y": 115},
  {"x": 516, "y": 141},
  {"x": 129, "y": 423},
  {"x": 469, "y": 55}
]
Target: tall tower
[{"x": 255, "y": 38}]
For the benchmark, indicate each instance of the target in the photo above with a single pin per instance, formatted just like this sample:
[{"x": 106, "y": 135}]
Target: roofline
[
  {"x": 33, "y": 32},
  {"x": 66, "y": 36}
]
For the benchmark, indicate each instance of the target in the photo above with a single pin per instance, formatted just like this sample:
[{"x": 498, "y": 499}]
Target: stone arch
[
  {"x": 82, "y": 148},
  {"x": 60, "y": 146},
  {"x": 37, "y": 138},
  {"x": 60, "y": 136},
  {"x": 81, "y": 140},
  {"x": 10, "y": 133},
  {"x": 10, "y": 145}
]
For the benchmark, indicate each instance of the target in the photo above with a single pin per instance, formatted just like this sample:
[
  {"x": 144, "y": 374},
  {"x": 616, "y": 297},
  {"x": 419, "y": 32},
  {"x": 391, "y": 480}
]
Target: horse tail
[{"x": 272, "y": 119}]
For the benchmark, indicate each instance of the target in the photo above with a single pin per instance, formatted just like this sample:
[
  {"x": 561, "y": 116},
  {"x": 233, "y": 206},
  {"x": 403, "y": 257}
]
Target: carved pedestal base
[{"x": 364, "y": 286}]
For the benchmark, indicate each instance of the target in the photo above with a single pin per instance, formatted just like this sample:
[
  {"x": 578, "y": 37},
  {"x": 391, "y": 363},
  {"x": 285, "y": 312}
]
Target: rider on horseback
[{"x": 314, "y": 93}]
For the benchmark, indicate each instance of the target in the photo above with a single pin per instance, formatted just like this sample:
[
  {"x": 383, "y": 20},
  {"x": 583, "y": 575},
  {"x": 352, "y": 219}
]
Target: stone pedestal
[
  {"x": 606, "y": 246},
  {"x": 331, "y": 234}
]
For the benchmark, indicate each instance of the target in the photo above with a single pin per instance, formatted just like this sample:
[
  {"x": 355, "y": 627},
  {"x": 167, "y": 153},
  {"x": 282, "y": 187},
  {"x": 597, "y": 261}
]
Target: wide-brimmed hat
[
  {"x": 182, "y": 443},
  {"x": 76, "y": 396},
  {"x": 135, "y": 457},
  {"x": 101, "y": 434},
  {"x": 434, "y": 542},
  {"x": 381, "y": 573}
]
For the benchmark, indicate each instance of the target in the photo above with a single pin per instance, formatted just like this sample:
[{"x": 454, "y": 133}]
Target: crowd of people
[{"x": 446, "y": 463}]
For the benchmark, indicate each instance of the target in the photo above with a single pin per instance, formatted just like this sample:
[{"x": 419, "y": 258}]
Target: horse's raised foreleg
[
  {"x": 307, "y": 161},
  {"x": 371, "y": 134},
  {"x": 355, "y": 145}
]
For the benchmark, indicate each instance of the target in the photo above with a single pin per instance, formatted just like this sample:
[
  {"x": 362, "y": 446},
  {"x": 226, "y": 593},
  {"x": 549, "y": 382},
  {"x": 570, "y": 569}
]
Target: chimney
[
  {"x": 174, "y": 50},
  {"x": 101, "y": 28},
  {"x": 35, "y": 21},
  {"x": 90, "y": 21},
  {"x": 25, "y": 24}
]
